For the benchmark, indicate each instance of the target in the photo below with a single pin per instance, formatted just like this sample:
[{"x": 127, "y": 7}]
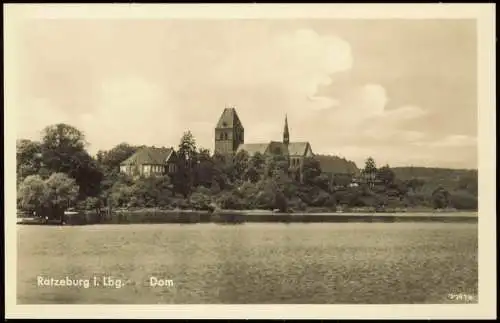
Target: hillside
[{"x": 450, "y": 179}]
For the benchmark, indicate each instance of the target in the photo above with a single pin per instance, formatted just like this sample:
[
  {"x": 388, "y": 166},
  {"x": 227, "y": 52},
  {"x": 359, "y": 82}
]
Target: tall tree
[
  {"x": 224, "y": 173},
  {"x": 370, "y": 171},
  {"x": 311, "y": 169},
  {"x": 186, "y": 164},
  {"x": 63, "y": 151},
  {"x": 112, "y": 158},
  {"x": 370, "y": 166},
  {"x": 109, "y": 161},
  {"x": 276, "y": 165},
  {"x": 61, "y": 192},
  {"x": 255, "y": 169},
  {"x": 60, "y": 144},
  {"x": 32, "y": 194},
  {"x": 386, "y": 175},
  {"x": 241, "y": 164},
  {"x": 440, "y": 198},
  {"x": 51, "y": 197},
  {"x": 205, "y": 169},
  {"x": 28, "y": 158}
]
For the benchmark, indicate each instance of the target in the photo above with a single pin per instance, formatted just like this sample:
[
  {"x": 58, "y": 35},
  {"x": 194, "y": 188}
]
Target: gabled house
[
  {"x": 341, "y": 172},
  {"x": 150, "y": 161}
]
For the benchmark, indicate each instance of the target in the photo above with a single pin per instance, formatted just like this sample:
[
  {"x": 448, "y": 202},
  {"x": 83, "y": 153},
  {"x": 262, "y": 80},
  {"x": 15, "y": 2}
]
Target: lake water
[{"x": 252, "y": 263}]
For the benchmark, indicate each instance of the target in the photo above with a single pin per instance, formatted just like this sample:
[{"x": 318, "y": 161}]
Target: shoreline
[{"x": 240, "y": 217}]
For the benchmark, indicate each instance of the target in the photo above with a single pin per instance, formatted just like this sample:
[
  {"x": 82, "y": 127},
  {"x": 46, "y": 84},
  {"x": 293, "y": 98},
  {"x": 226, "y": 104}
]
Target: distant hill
[
  {"x": 336, "y": 165},
  {"x": 450, "y": 179}
]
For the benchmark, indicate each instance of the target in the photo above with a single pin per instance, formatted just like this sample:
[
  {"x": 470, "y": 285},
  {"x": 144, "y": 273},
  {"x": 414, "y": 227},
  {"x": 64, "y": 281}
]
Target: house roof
[
  {"x": 292, "y": 149},
  {"x": 149, "y": 156},
  {"x": 228, "y": 119},
  {"x": 297, "y": 148},
  {"x": 252, "y": 149},
  {"x": 276, "y": 147},
  {"x": 336, "y": 165}
]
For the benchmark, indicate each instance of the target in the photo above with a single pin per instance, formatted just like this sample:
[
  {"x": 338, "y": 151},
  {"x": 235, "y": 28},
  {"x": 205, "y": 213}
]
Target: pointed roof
[
  {"x": 228, "y": 119},
  {"x": 149, "y": 156},
  {"x": 297, "y": 148},
  {"x": 286, "y": 133}
]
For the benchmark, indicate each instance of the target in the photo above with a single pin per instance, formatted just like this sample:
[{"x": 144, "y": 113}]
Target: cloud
[
  {"x": 122, "y": 86},
  {"x": 455, "y": 141},
  {"x": 117, "y": 84},
  {"x": 293, "y": 65},
  {"x": 362, "y": 118},
  {"x": 133, "y": 110}
]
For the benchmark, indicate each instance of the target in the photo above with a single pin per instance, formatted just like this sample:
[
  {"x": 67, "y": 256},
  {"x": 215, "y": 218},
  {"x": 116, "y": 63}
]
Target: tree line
[{"x": 57, "y": 172}]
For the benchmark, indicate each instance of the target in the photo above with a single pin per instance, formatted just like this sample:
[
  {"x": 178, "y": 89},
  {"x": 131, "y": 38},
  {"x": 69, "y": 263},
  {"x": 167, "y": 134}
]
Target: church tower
[
  {"x": 229, "y": 132},
  {"x": 286, "y": 133}
]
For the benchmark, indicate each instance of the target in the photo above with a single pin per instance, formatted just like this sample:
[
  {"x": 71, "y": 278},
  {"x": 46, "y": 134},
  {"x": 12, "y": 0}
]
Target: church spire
[{"x": 286, "y": 134}]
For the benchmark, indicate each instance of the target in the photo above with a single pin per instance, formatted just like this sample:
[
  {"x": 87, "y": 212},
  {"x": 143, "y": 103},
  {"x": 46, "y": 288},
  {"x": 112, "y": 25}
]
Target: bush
[
  {"x": 462, "y": 200},
  {"x": 164, "y": 201},
  {"x": 280, "y": 202},
  {"x": 200, "y": 201},
  {"x": 321, "y": 199},
  {"x": 90, "y": 204},
  {"x": 230, "y": 201},
  {"x": 296, "y": 204},
  {"x": 181, "y": 204},
  {"x": 264, "y": 200}
]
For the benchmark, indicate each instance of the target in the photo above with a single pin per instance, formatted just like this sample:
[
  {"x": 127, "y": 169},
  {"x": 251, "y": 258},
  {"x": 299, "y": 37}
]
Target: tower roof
[
  {"x": 228, "y": 119},
  {"x": 286, "y": 133}
]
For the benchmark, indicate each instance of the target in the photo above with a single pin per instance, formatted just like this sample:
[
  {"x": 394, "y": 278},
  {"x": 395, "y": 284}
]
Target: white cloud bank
[{"x": 118, "y": 85}]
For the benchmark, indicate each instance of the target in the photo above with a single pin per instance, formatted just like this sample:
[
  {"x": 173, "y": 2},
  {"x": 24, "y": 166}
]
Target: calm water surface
[{"x": 336, "y": 263}]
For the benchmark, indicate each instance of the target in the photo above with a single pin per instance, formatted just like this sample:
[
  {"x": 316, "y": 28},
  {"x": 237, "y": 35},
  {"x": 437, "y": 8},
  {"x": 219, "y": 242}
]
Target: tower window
[
  {"x": 221, "y": 136},
  {"x": 225, "y": 135}
]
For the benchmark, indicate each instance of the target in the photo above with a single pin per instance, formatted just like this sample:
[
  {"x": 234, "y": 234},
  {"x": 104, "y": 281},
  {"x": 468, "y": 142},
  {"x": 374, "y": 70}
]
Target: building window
[
  {"x": 221, "y": 136},
  {"x": 225, "y": 135}
]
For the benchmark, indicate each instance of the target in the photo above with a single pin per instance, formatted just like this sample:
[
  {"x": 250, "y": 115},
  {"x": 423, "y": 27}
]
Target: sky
[{"x": 401, "y": 91}]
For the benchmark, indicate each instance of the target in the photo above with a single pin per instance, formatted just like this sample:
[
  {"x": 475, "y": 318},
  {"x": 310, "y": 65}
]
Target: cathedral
[{"x": 230, "y": 139}]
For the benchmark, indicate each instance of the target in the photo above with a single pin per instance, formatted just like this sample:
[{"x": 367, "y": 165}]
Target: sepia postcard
[{"x": 323, "y": 161}]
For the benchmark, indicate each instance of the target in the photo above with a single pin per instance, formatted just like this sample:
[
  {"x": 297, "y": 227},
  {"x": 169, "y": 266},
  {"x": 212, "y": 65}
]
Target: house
[
  {"x": 341, "y": 172},
  {"x": 229, "y": 140},
  {"x": 150, "y": 161}
]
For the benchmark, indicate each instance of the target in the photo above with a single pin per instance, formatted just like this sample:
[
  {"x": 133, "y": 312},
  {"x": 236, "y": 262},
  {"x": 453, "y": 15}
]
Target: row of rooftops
[
  {"x": 161, "y": 156},
  {"x": 229, "y": 119}
]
